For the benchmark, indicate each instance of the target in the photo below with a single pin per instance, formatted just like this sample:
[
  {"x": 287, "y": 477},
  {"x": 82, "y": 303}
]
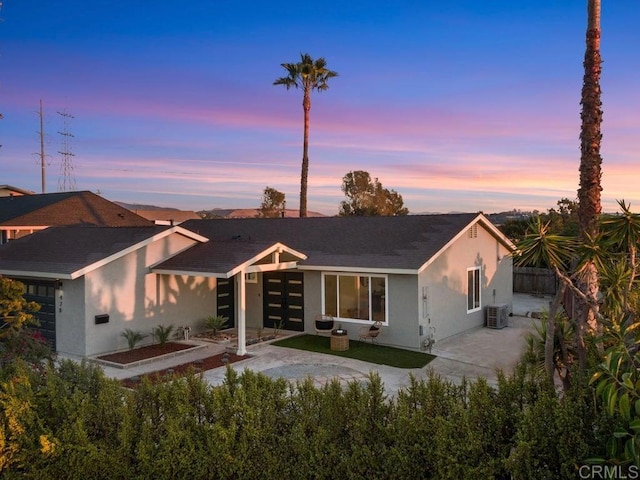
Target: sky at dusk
[{"x": 458, "y": 106}]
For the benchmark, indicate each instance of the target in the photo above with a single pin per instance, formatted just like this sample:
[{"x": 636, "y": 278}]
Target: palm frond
[{"x": 541, "y": 248}]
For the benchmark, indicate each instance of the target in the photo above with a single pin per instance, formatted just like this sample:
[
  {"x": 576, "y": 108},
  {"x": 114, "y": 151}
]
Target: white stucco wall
[
  {"x": 70, "y": 317},
  {"x": 445, "y": 284},
  {"x": 136, "y": 299}
]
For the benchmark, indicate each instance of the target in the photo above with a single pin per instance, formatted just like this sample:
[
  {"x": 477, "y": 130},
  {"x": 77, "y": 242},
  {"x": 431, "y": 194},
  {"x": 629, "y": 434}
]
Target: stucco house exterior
[{"x": 420, "y": 275}]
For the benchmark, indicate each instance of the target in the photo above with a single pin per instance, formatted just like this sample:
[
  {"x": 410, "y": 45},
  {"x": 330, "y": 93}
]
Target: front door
[
  {"x": 282, "y": 293},
  {"x": 225, "y": 300}
]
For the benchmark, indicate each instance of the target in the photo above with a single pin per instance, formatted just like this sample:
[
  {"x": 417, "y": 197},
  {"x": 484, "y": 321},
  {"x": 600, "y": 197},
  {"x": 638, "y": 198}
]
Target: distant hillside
[
  {"x": 248, "y": 213},
  {"x": 146, "y": 211},
  {"x": 137, "y": 206}
]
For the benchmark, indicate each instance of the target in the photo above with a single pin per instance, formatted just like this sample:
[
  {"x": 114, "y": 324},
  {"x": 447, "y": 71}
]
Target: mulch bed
[
  {"x": 196, "y": 366},
  {"x": 144, "y": 353}
]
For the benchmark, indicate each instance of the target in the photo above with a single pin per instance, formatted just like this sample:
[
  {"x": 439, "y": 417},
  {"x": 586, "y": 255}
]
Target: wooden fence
[{"x": 540, "y": 281}]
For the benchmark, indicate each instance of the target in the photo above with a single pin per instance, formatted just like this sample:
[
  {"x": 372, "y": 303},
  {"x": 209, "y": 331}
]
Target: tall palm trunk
[
  {"x": 304, "y": 174},
  {"x": 589, "y": 206}
]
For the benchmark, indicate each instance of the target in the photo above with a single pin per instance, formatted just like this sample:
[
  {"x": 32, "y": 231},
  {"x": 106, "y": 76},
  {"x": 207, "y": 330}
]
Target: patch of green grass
[{"x": 379, "y": 354}]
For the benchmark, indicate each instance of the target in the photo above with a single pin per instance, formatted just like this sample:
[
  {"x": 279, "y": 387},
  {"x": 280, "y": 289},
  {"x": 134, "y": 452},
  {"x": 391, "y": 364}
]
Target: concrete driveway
[{"x": 478, "y": 352}]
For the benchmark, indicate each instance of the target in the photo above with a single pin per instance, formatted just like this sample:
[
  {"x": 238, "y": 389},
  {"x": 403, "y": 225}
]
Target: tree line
[{"x": 364, "y": 197}]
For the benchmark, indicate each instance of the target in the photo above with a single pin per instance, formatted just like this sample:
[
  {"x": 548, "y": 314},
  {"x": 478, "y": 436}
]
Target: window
[
  {"x": 356, "y": 297},
  {"x": 473, "y": 289}
]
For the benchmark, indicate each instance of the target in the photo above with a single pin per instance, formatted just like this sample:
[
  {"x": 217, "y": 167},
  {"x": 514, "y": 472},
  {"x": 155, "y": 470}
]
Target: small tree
[
  {"x": 369, "y": 198},
  {"x": 273, "y": 203},
  {"x": 15, "y": 312}
]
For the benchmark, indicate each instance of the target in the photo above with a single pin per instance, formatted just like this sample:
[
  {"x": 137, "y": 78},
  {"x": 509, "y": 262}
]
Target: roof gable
[{"x": 70, "y": 252}]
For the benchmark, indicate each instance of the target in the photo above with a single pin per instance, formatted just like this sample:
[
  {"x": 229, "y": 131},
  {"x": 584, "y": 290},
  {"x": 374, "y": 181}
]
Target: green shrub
[
  {"x": 133, "y": 337},
  {"x": 162, "y": 333},
  {"x": 215, "y": 323}
]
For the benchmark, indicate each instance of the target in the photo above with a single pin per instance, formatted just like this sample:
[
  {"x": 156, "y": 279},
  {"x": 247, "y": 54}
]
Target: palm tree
[
  {"x": 309, "y": 75},
  {"x": 589, "y": 206}
]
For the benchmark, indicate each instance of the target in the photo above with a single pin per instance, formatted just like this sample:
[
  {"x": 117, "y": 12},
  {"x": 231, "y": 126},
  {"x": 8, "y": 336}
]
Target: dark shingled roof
[
  {"x": 64, "y": 250},
  {"x": 65, "y": 208},
  {"x": 404, "y": 242},
  {"x": 221, "y": 257}
]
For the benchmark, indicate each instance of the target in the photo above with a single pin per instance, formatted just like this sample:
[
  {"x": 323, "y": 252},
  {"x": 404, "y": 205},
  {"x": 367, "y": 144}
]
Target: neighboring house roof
[
  {"x": 70, "y": 252},
  {"x": 404, "y": 244},
  {"x": 169, "y": 215},
  {"x": 65, "y": 208},
  {"x": 8, "y": 190}
]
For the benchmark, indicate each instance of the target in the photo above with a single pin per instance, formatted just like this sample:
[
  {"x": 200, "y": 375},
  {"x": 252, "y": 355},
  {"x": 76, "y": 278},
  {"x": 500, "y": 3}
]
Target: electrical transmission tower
[{"x": 66, "y": 182}]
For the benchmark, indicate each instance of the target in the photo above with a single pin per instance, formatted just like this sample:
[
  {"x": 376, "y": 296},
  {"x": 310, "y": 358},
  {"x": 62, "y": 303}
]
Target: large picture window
[
  {"x": 473, "y": 289},
  {"x": 356, "y": 297}
]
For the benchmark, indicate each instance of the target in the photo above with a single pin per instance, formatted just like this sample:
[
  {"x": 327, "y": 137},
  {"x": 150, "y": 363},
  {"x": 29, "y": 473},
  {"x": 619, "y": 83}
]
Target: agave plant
[{"x": 215, "y": 323}]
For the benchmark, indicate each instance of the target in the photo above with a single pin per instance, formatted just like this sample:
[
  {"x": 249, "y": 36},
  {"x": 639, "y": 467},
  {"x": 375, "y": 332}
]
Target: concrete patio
[{"x": 478, "y": 352}]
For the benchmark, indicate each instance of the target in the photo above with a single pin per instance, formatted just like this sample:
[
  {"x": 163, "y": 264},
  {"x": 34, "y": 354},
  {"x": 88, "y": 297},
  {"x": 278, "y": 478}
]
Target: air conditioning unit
[{"x": 497, "y": 316}]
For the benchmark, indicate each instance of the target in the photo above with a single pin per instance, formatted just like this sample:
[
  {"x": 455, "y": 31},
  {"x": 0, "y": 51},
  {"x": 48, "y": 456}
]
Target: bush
[
  {"x": 68, "y": 421},
  {"x": 215, "y": 323},
  {"x": 133, "y": 337},
  {"x": 162, "y": 333}
]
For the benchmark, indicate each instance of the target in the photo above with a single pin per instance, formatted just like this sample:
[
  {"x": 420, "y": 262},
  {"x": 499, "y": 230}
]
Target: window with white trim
[
  {"x": 355, "y": 297},
  {"x": 473, "y": 289}
]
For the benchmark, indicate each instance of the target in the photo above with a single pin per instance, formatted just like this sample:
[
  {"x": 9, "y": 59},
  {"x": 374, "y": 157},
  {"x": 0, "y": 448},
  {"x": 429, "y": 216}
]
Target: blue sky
[{"x": 458, "y": 106}]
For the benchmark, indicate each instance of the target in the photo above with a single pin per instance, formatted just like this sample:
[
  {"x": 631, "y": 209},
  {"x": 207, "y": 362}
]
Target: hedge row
[{"x": 69, "y": 421}]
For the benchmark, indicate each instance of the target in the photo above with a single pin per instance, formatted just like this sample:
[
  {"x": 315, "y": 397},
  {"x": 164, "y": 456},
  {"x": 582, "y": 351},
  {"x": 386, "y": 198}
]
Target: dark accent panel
[
  {"x": 100, "y": 319},
  {"x": 225, "y": 300},
  {"x": 283, "y": 300}
]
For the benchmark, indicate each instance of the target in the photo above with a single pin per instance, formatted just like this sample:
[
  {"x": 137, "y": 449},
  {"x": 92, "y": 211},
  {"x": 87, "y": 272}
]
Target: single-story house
[{"x": 420, "y": 275}]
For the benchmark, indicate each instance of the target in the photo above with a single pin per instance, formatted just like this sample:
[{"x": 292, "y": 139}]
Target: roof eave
[{"x": 339, "y": 268}]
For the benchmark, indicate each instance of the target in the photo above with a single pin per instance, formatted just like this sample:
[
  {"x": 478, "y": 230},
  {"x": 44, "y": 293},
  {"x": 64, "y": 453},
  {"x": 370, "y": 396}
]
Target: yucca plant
[
  {"x": 133, "y": 337},
  {"x": 162, "y": 333}
]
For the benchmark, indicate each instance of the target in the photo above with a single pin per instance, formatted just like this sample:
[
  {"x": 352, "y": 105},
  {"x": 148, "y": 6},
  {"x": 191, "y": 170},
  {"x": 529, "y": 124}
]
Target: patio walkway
[{"x": 478, "y": 352}]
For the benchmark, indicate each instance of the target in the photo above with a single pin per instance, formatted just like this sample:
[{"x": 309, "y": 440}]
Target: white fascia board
[
  {"x": 495, "y": 231},
  {"x": 35, "y": 274},
  {"x": 137, "y": 246},
  {"x": 384, "y": 271},
  {"x": 480, "y": 218},
  {"x": 188, "y": 273},
  {"x": 188, "y": 233},
  {"x": 23, "y": 227},
  {"x": 270, "y": 267},
  {"x": 275, "y": 247}
]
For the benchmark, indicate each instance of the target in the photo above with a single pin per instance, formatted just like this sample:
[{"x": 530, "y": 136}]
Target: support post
[{"x": 241, "y": 314}]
